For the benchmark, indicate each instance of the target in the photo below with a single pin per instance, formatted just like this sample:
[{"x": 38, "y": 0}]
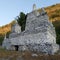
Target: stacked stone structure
[{"x": 39, "y": 35}]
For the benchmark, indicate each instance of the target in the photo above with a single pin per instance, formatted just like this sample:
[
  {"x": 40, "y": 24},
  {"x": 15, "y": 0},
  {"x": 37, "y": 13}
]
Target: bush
[{"x": 1, "y": 39}]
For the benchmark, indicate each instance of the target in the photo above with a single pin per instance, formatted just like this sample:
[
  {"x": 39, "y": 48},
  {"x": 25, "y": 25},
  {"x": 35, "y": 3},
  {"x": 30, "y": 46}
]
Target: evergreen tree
[
  {"x": 57, "y": 27},
  {"x": 22, "y": 20},
  {"x": 1, "y": 39}
]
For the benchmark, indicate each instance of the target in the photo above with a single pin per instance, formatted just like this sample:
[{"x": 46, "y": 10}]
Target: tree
[
  {"x": 1, "y": 39},
  {"x": 21, "y": 19},
  {"x": 7, "y": 35},
  {"x": 58, "y": 39},
  {"x": 57, "y": 27}
]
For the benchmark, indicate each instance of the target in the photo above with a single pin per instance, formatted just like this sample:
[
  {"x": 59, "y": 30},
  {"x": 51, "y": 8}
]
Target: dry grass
[{"x": 14, "y": 55}]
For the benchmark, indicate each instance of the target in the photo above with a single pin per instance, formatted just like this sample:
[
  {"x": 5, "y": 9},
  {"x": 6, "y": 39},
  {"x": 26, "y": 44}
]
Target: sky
[{"x": 10, "y": 9}]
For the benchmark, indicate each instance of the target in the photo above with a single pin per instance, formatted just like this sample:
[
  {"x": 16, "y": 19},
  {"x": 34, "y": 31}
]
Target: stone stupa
[{"x": 39, "y": 34}]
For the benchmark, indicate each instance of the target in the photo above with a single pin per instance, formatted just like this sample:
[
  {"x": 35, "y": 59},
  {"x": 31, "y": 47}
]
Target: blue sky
[{"x": 9, "y": 9}]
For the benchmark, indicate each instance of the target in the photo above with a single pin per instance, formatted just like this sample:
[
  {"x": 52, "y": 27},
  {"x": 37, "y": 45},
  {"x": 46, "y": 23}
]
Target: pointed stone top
[
  {"x": 16, "y": 21},
  {"x": 43, "y": 9},
  {"x": 5, "y": 36},
  {"x": 34, "y": 7}
]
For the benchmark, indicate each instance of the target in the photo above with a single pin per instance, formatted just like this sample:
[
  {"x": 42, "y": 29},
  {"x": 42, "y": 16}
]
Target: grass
[{"x": 14, "y": 55}]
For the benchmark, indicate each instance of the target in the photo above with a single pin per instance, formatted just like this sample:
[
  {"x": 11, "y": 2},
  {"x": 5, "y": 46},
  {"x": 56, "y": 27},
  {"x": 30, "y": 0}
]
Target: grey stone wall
[{"x": 39, "y": 35}]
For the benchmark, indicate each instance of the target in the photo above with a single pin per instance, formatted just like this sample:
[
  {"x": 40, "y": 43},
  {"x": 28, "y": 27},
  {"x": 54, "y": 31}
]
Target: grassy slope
[
  {"x": 54, "y": 16},
  {"x": 6, "y": 28}
]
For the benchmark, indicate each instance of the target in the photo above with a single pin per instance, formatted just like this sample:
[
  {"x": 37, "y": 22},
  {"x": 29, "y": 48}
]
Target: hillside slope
[
  {"x": 6, "y": 28},
  {"x": 54, "y": 16},
  {"x": 53, "y": 12}
]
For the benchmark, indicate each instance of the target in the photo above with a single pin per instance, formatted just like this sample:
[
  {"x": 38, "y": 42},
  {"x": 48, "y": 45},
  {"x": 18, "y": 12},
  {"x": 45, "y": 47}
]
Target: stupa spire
[
  {"x": 34, "y": 7},
  {"x": 5, "y": 36}
]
